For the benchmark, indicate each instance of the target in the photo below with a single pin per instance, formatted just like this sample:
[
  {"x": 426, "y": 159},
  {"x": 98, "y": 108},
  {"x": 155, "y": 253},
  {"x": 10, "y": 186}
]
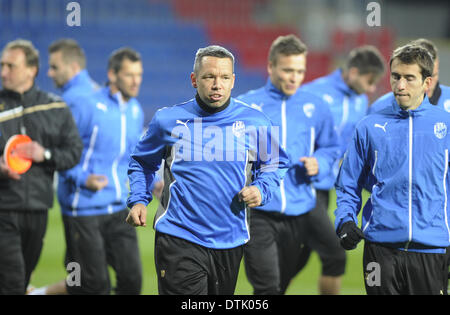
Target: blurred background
[{"x": 168, "y": 32}]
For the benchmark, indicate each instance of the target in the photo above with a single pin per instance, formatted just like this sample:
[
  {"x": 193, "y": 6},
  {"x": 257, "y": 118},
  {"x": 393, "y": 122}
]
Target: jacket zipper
[
  {"x": 410, "y": 181},
  {"x": 312, "y": 147},
  {"x": 345, "y": 113},
  {"x": 445, "y": 192},
  {"x": 121, "y": 153},
  {"x": 283, "y": 145},
  {"x": 87, "y": 158}
]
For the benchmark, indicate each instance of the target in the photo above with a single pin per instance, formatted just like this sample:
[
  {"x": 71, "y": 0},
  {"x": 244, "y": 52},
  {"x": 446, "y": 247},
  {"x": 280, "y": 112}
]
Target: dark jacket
[{"x": 46, "y": 119}]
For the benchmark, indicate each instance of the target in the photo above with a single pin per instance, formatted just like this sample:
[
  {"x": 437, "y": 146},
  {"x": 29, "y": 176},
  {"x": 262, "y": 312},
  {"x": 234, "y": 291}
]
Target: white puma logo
[
  {"x": 258, "y": 107},
  {"x": 102, "y": 107},
  {"x": 381, "y": 126},
  {"x": 183, "y": 123}
]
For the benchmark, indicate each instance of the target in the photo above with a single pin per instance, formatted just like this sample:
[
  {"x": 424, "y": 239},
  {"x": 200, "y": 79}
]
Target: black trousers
[
  {"x": 322, "y": 237},
  {"x": 21, "y": 240},
  {"x": 94, "y": 242},
  {"x": 273, "y": 256},
  {"x": 185, "y": 268},
  {"x": 389, "y": 271}
]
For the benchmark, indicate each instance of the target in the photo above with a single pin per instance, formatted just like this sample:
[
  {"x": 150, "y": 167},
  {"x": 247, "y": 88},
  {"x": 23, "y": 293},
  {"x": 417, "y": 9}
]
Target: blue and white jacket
[
  {"x": 347, "y": 108},
  {"x": 402, "y": 158},
  {"x": 442, "y": 102},
  {"x": 306, "y": 130},
  {"x": 110, "y": 129},
  {"x": 208, "y": 159}
]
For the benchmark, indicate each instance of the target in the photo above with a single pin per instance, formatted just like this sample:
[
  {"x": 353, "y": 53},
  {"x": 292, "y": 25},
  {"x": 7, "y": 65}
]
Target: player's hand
[
  {"x": 5, "y": 171},
  {"x": 137, "y": 215},
  {"x": 251, "y": 196},
  {"x": 31, "y": 150},
  {"x": 311, "y": 165},
  {"x": 350, "y": 235},
  {"x": 96, "y": 182}
]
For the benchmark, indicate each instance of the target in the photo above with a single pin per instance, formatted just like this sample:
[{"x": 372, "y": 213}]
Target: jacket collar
[
  {"x": 80, "y": 78},
  {"x": 116, "y": 98},
  {"x": 339, "y": 83},
  {"x": 201, "y": 109},
  {"x": 424, "y": 106},
  {"x": 274, "y": 92},
  {"x": 434, "y": 99},
  {"x": 208, "y": 109},
  {"x": 24, "y": 97}
]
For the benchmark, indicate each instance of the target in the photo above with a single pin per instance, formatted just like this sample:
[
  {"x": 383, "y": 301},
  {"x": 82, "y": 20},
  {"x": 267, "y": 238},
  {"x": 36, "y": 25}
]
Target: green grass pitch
[{"x": 51, "y": 267}]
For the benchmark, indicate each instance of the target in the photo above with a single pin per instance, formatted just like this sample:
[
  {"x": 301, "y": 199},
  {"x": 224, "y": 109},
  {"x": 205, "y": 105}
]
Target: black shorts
[
  {"x": 21, "y": 240},
  {"x": 392, "y": 271},
  {"x": 94, "y": 242},
  {"x": 185, "y": 268}
]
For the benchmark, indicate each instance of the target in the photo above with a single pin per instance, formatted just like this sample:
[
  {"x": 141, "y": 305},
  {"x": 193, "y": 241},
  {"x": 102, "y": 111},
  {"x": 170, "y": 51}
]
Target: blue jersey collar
[
  {"x": 275, "y": 93},
  {"x": 117, "y": 97},
  {"x": 79, "y": 78},
  {"x": 425, "y": 105},
  {"x": 340, "y": 84}
]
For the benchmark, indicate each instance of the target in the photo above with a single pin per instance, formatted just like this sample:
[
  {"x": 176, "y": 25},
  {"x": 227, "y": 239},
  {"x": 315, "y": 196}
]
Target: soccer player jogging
[
  {"x": 219, "y": 158},
  {"x": 280, "y": 228},
  {"x": 56, "y": 146},
  {"x": 344, "y": 91},
  {"x": 401, "y": 155}
]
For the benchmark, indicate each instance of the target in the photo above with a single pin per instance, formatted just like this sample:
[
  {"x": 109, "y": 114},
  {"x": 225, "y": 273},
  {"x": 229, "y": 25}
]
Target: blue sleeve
[
  {"x": 350, "y": 181},
  {"x": 144, "y": 163},
  {"x": 83, "y": 114},
  {"x": 326, "y": 143},
  {"x": 271, "y": 166}
]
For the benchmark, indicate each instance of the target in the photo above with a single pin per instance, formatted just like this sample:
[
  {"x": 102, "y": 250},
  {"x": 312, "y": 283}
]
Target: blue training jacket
[
  {"x": 443, "y": 102},
  {"x": 402, "y": 158},
  {"x": 109, "y": 128},
  {"x": 306, "y": 130},
  {"x": 347, "y": 108},
  {"x": 208, "y": 159}
]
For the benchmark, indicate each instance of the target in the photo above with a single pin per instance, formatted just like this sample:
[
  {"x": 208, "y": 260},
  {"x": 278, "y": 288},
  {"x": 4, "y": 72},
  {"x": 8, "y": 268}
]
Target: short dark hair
[
  {"x": 286, "y": 45},
  {"x": 31, "y": 53},
  {"x": 212, "y": 51},
  {"x": 415, "y": 54},
  {"x": 119, "y": 55},
  {"x": 428, "y": 45},
  {"x": 70, "y": 51},
  {"x": 367, "y": 59}
]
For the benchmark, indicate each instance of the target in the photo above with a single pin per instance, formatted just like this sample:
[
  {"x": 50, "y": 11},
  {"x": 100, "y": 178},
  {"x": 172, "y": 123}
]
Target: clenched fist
[{"x": 251, "y": 196}]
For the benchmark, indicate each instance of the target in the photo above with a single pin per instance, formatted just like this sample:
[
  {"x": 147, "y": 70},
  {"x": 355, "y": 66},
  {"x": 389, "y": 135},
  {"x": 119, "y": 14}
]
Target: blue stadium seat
[{"x": 166, "y": 43}]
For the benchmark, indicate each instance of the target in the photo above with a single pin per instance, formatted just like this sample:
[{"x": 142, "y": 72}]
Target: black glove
[{"x": 350, "y": 235}]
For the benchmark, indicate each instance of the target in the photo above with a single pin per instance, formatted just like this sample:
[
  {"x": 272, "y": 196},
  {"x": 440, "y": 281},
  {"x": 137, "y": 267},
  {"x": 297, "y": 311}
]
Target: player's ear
[
  {"x": 353, "y": 73},
  {"x": 193, "y": 80},
  {"x": 427, "y": 83},
  {"x": 269, "y": 68},
  {"x": 111, "y": 76}
]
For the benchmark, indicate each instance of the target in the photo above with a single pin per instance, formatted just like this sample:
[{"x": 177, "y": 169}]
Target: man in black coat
[{"x": 56, "y": 145}]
